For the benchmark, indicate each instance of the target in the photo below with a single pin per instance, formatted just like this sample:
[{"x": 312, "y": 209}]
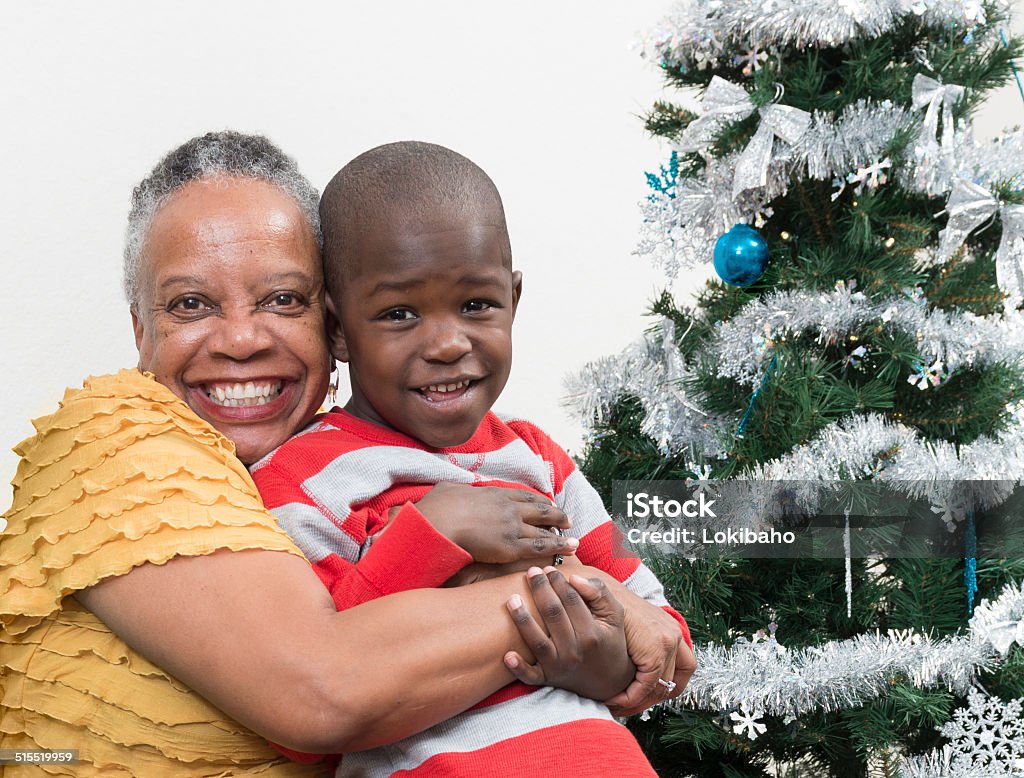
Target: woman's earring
[{"x": 332, "y": 388}]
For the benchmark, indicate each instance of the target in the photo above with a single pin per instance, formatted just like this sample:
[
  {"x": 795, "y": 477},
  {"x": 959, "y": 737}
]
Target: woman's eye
[
  {"x": 189, "y": 304},
  {"x": 284, "y": 300},
  {"x": 399, "y": 314}
]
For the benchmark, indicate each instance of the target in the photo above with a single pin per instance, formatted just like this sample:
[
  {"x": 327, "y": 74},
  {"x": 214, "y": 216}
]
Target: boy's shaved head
[{"x": 420, "y": 184}]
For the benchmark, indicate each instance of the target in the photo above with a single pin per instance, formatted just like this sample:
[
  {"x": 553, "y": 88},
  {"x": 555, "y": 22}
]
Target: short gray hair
[{"x": 213, "y": 155}]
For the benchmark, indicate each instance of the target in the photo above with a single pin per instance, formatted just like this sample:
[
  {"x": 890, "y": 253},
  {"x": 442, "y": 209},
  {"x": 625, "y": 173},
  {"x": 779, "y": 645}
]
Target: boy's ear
[
  {"x": 517, "y": 290},
  {"x": 335, "y": 333}
]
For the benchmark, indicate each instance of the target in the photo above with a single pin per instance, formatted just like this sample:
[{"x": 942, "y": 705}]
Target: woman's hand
[
  {"x": 657, "y": 649},
  {"x": 584, "y": 648}
]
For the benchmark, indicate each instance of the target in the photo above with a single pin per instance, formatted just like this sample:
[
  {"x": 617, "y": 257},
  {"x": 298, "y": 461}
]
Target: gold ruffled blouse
[{"x": 122, "y": 474}]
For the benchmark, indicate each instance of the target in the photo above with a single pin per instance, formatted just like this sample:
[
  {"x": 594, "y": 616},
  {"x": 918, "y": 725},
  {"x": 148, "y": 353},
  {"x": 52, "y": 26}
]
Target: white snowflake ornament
[
  {"x": 988, "y": 733},
  {"x": 748, "y": 723},
  {"x": 872, "y": 176}
]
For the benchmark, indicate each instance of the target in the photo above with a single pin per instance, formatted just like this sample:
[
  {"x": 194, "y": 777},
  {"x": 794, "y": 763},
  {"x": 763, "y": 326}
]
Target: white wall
[{"x": 545, "y": 96}]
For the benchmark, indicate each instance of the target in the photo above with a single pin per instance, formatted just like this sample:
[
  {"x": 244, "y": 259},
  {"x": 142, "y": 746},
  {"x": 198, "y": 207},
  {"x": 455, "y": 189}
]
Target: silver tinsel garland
[
  {"x": 763, "y": 675},
  {"x": 956, "y": 339},
  {"x": 653, "y": 371},
  {"x": 768, "y": 677},
  {"x": 860, "y": 135},
  {"x": 760, "y": 677},
  {"x": 900, "y": 457},
  {"x": 698, "y": 33}
]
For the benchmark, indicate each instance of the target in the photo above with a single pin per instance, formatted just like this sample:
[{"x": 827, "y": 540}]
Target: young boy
[{"x": 417, "y": 477}]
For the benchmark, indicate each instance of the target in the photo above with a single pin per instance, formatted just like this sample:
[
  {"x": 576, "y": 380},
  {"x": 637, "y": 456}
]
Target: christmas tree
[{"x": 866, "y": 328}]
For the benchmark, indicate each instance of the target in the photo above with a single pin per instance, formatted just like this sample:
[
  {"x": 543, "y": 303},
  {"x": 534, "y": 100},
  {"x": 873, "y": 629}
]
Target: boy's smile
[{"x": 425, "y": 318}]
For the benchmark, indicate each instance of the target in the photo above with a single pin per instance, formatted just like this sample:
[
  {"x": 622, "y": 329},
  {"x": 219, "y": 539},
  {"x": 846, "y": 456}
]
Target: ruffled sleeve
[{"x": 122, "y": 474}]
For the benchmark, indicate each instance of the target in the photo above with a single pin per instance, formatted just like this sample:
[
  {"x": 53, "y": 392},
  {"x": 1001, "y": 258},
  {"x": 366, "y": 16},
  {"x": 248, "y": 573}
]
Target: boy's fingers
[
  {"x": 576, "y": 608},
  {"x": 538, "y": 543},
  {"x": 535, "y": 638},
  {"x": 537, "y": 509},
  {"x": 552, "y": 611},
  {"x": 531, "y": 674},
  {"x": 544, "y": 515}
]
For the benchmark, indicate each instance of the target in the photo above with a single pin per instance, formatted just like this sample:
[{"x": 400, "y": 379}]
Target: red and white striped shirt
[{"x": 331, "y": 488}]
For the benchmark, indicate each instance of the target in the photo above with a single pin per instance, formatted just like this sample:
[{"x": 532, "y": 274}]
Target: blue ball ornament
[{"x": 741, "y": 255}]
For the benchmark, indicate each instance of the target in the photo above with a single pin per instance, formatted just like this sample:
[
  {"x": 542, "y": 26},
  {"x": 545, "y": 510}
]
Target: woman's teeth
[
  {"x": 244, "y": 395},
  {"x": 445, "y": 388}
]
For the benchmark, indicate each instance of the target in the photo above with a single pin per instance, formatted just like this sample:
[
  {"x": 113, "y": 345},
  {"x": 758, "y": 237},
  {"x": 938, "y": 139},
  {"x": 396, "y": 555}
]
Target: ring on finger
[{"x": 559, "y": 559}]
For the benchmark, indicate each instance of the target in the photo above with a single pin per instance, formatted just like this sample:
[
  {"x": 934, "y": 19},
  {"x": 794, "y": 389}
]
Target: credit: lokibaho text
[{"x": 731, "y": 537}]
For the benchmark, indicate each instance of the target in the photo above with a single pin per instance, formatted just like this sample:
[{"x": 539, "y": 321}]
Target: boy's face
[{"x": 425, "y": 323}]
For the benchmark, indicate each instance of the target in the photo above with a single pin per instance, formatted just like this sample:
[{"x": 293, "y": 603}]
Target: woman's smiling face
[{"x": 230, "y": 312}]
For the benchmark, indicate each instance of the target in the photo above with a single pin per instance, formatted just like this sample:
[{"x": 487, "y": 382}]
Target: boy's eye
[
  {"x": 398, "y": 314},
  {"x": 474, "y": 306}
]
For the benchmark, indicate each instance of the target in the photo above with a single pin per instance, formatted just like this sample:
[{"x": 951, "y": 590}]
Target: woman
[{"x": 140, "y": 575}]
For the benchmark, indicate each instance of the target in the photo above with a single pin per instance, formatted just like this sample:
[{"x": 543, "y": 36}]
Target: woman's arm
[{"x": 256, "y": 633}]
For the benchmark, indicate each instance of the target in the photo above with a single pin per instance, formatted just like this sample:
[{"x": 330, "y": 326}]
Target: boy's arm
[
  {"x": 351, "y": 576},
  {"x": 387, "y": 566},
  {"x": 443, "y": 531}
]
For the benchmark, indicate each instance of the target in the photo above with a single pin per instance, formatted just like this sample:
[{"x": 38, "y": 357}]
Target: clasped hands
[
  {"x": 595, "y": 637},
  {"x": 610, "y": 647}
]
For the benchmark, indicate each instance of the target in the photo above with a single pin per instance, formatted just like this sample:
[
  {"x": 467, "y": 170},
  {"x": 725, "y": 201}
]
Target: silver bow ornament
[
  {"x": 939, "y": 100},
  {"x": 1004, "y": 634},
  {"x": 1002, "y": 626},
  {"x": 727, "y": 102},
  {"x": 970, "y": 206}
]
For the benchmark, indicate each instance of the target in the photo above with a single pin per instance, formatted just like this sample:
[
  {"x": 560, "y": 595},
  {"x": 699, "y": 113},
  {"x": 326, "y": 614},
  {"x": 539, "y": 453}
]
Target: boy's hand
[
  {"x": 584, "y": 648},
  {"x": 495, "y": 524}
]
